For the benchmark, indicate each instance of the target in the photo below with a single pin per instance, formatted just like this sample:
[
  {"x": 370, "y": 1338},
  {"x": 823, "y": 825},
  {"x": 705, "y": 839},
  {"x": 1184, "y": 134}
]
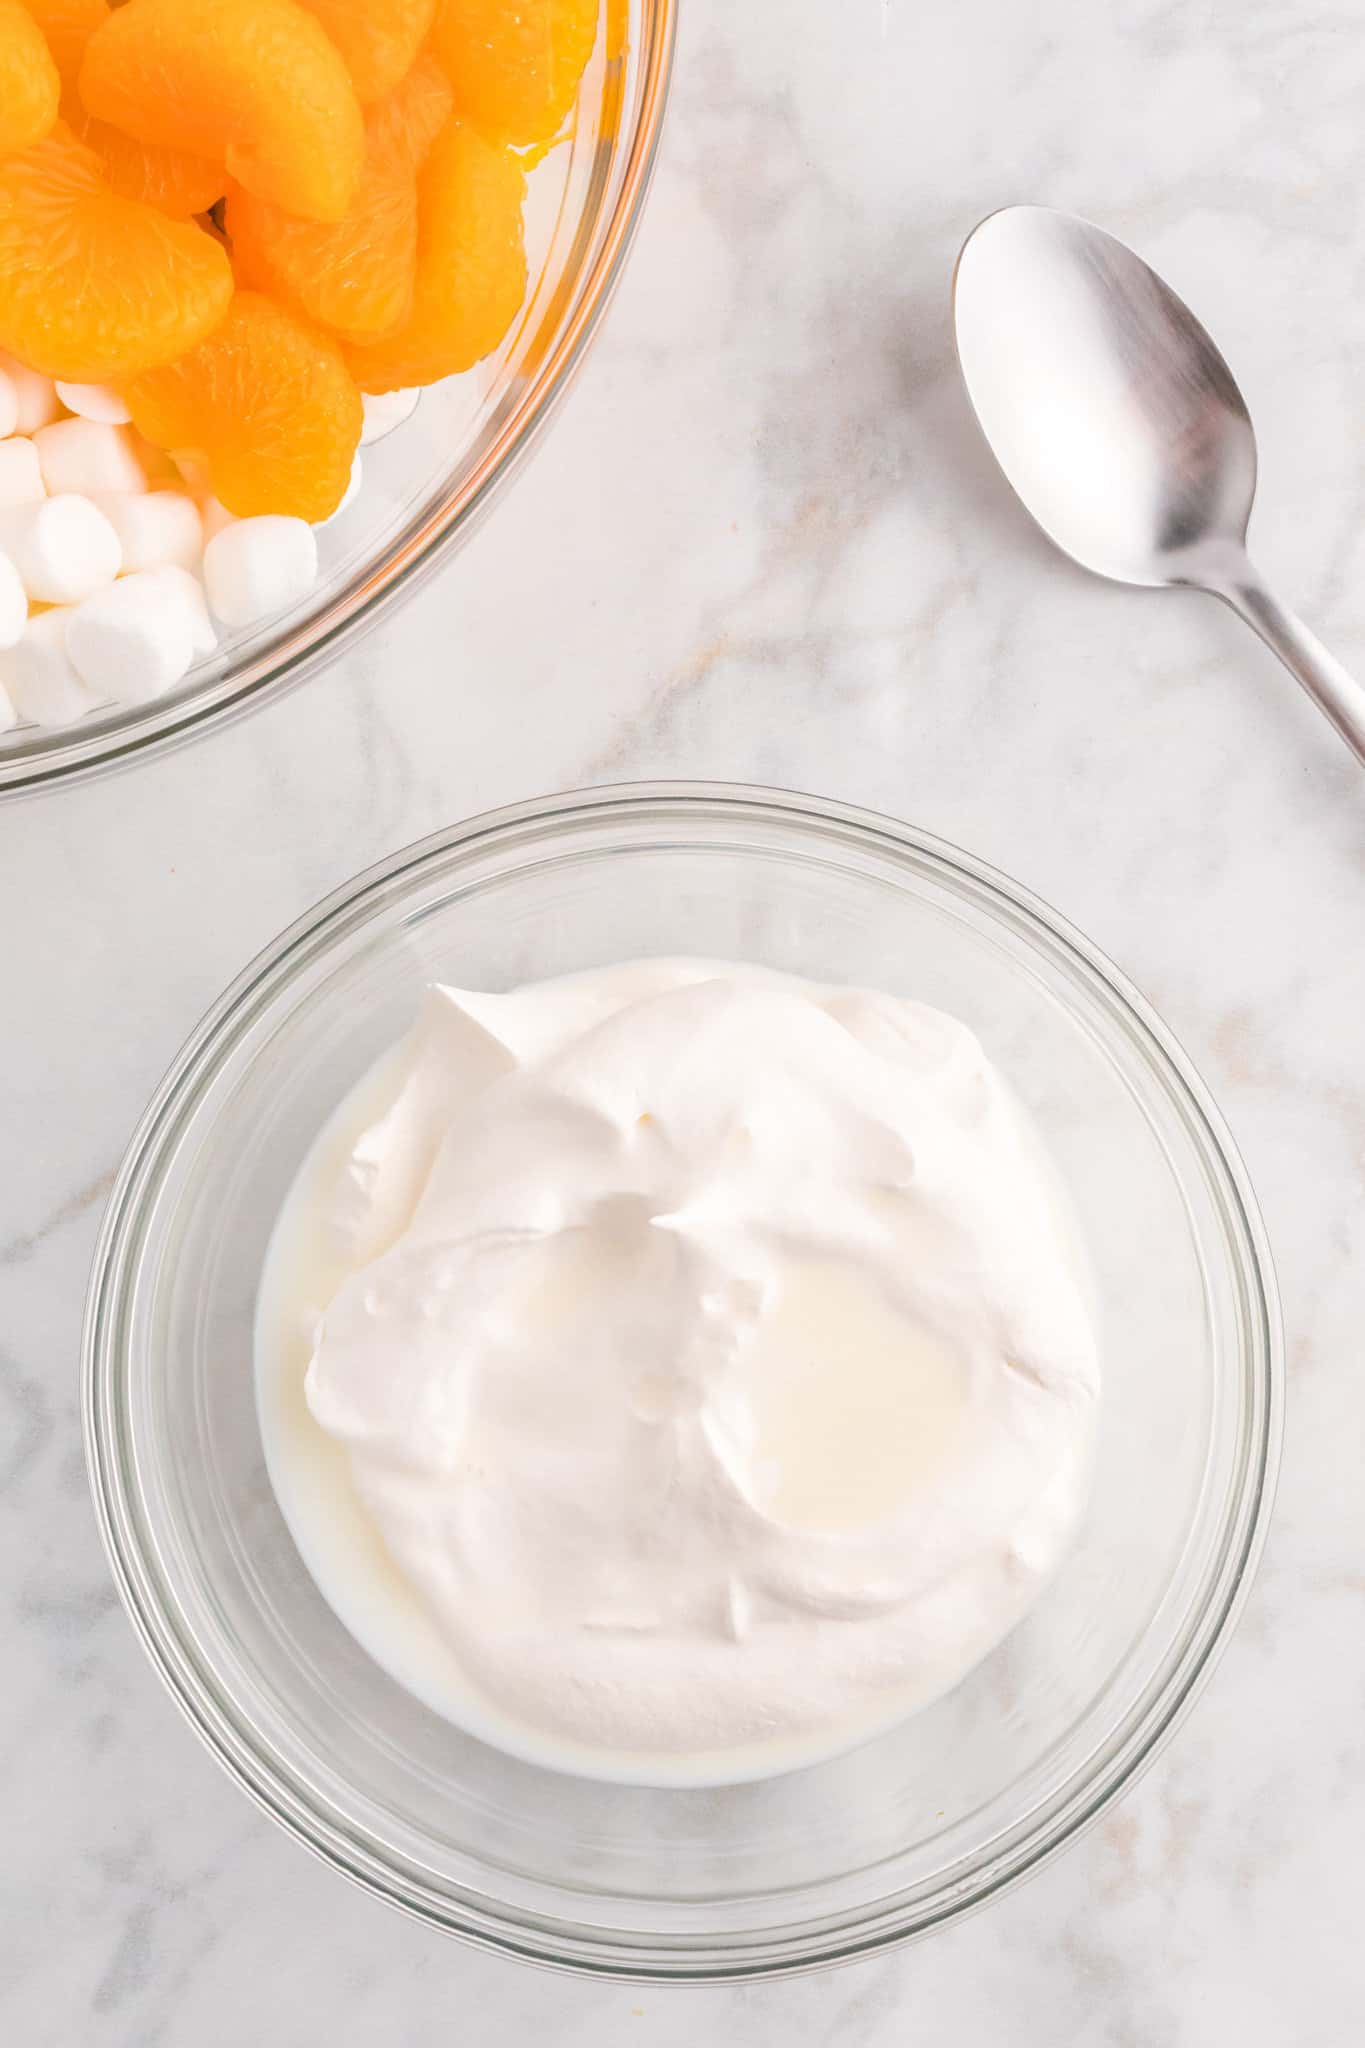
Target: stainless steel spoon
[{"x": 1119, "y": 425}]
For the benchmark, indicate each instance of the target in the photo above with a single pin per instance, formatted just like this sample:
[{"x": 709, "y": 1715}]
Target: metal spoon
[{"x": 1119, "y": 424}]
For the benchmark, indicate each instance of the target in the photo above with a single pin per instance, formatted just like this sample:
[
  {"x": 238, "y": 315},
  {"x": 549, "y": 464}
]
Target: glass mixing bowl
[
  {"x": 903, "y": 1833},
  {"x": 427, "y": 484}
]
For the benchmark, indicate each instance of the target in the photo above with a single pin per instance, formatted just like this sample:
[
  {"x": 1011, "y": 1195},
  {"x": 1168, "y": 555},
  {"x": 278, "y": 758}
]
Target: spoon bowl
[{"x": 1119, "y": 425}]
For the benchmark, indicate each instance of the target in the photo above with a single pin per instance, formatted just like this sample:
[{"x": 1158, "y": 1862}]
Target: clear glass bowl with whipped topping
[
  {"x": 429, "y": 483},
  {"x": 925, "y": 1819}
]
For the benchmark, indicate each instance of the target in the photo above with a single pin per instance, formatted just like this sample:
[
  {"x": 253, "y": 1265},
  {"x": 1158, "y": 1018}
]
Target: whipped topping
[{"x": 710, "y": 1353}]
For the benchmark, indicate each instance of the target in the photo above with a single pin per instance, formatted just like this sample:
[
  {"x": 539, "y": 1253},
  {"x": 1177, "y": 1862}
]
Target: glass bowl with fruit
[{"x": 259, "y": 372}]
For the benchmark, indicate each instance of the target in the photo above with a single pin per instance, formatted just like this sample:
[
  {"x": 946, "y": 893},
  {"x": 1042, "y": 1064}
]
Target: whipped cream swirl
[{"x": 711, "y": 1357}]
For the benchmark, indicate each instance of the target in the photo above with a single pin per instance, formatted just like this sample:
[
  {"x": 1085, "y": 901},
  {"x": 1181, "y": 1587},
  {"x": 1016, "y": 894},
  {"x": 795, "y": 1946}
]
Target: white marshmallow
[
  {"x": 8, "y": 715},
  {"x": 87, "y": 456},
  {"x": 93, "y": 402},
  {"x": 42, "y": 684},
  {"x": 13, "y": 603},
  {"x": 9, "y": 405},
  {"x": 385, "y": 412},
  {"x": 214, "y": 516},
  {"x": 35, "y": 395},
  {"x": 257, "y": 567},
  {"x": 348, "y": 496},
  {"x": 129, "y": 642},
  {"x": 183, "y": 589},
  {"x": 64, "y": 548},
  {"x": 21, "y": 475},
  {"x": 153, "y": 527}
]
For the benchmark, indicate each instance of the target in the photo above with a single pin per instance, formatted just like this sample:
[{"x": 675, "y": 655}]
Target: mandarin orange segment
[
  {"x": 515, "y": 65},
  {"x": 29, "y": 85},
  {"x": 268, "y": 402},
  {"x": 471, "y": 265},
  {"x": 173, "y": 180},
  {"x": 67, "y": 26},
  {"x": 379, "y": 39},
  {"x": 254, "y": 84},
  {"x": 95, "y": 288},
  {"x": 403, "y": 126},
  {"x": 354, "y": 276}
]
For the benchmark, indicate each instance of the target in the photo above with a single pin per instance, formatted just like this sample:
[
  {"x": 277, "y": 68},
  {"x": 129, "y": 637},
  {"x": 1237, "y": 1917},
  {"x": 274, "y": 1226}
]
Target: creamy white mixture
[{"x": 698, "y": 1371}]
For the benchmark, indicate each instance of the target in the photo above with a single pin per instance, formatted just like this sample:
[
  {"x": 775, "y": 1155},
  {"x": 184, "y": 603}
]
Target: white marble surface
[{"x": 767, "y": 545}]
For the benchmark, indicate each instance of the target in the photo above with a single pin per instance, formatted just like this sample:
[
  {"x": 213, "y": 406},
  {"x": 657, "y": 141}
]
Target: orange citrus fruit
[
  {"x": 175, "y": 180},
  {"x": 515, "y": 65},
  {"x": 30, "y": 88},
  {"x": 67, "y": 26},
  {"x": 471, "y": 265},
  {"x": 95, "y": 288},
  {"x": 403, "y": 125},
  {"x": 269, "y": 404},
  {"x": 254, "y": 84},
  {"x": 379, "y": 39},
  {"x": 354, "y": 276}
]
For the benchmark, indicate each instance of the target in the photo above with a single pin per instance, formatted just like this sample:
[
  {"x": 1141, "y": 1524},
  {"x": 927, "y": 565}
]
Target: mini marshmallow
[
  {"x": 213, "y": 517},
  {"x": 35, "y": 396},
  {"x": 13, "y": 604},
  {"x": 154, "y": 527},
  {"x": 187, "y": 591},
  {"x": 257, "y": 567},
  {"x": 64, "y": 548},
  {"x": 87, "y": 456},
  {"x": 384, "y": 413},
  {"x": 128, "y": 642},
  {"x": 348, "y": 497},
  {"x": 21, "y": 475},
  {"x": 42, "y": 684},
  {"x": 9, "y": 405},
  {"x": 93, "y": 402}
]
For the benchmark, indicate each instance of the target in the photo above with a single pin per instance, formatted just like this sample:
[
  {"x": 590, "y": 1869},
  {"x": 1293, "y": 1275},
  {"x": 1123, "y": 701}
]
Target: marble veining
[{"x": 766, "y": 544}]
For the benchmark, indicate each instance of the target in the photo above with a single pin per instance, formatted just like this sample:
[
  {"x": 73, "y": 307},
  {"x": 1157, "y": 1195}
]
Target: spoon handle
[{"x": 1334, "y": 692}]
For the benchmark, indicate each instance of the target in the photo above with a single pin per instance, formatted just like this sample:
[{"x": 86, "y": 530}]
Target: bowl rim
[
  {"x": 554, "y": 1942},
  {"x": 78, "y": 755}
]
